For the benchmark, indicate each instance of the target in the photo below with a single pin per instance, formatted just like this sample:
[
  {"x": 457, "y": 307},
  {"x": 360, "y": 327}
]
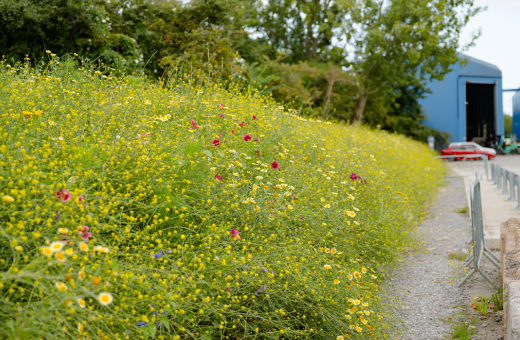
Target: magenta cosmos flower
[
  {"x": 241, "y": 124},
  {"x": 247, "y": 138},
  {"x": 218, "y": 177},
  {"x": 216, "y": 142},
  {"x": 83, "y": 232},
  {"x": 254, "y": 117},
  {"x": 275, "y": 165},
  {"x": 235, "y": 234},
  {"x": 353, "y": 176},
  {"x": 63, "y": 195},
  {"x": 194, "y": 124}
]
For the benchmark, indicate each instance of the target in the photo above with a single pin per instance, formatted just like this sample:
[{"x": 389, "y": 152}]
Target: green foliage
[
  {"x": 461, "y": 210},
  {"x": 508, "y": 124},
  {"x": 462, "y": 331},
  {"x": 497, "y": 299}
]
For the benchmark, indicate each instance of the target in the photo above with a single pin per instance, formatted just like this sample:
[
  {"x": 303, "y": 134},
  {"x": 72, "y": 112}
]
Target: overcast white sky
[{"x": 499, "y": 43}]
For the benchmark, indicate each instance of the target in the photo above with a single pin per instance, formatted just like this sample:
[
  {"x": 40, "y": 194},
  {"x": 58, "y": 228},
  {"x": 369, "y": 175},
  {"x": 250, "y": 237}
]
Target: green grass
[{"x": 461, "y": 210}]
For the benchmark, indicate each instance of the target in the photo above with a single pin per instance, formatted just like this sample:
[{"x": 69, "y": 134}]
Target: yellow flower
[
  {"x": 47, "y": 251},
  {"x": 47, "y": 51},
  {"x": 333, "y": 250},
  {"x": 358, "y": 329},
  {"x": 81, "y": 303},
  {"x": 60, "y": 256},
  {"x": 327, "y": 206},
  {"x": 357, "y": 275},
  {"x": 340, "y": 338},
  {"x": 349, "y": 277},
  {"x": 83, "y": 246},
  {"x": 8, "y": 199},
  {"x": 105, "y": 298},
  {"x": 364, "y": 270},
  {"x": 37, "y": 113},
  {"x": 57, "y": 246},
  {"x": 80, "y": 328},
  {"x": 348, "y": 317},
  {"x": 327, "y": 250},
  {"x": 356, "y": 302},
  {"x": 100, "y": 249},
  {"x": 51, "y": 123},
  {"x": 327, "y": 266},
  {"x": 69, "y": 251},
  {"x": 63, "y": 231},
  {"x": 82, "y": 275},
  {"x": 18, "y": 248},
  {"x": 336, "y": 281},
  {"x": 61, "y": 286}
]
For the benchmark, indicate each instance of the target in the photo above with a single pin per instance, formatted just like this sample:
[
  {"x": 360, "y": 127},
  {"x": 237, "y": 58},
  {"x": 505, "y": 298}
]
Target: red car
[{"x": 466, "y": 150}]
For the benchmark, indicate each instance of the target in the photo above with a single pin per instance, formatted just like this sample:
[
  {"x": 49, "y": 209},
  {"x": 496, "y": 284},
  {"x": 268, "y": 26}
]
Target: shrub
[{"x": 133, "y": 209}]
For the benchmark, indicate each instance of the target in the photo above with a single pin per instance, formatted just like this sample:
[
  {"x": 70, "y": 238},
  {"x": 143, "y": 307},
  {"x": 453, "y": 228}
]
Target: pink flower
[
  {"x": 247, "y": 138},
  {"x": 218, "y": 177},
  {"x": 63, "y": 195},
  {"x": 257, "y": 153},
  {"x": 241, "y": 124},
  {"x": 235, "y": 234},
  {"x": 83, "y": 232},
  {"x": 353, "y": 176},
  {"x": 254, "y": 117},
  {"x": 256, "y": 139},
  {"x": 275, "y": 165},
  {"x": 232, "y": 131},
  {"x": 216, "y": 142},
  {"x": 194, "y": 124},
  {"x": 222, "y": 106},
  {"x": 221, "y": 115}
]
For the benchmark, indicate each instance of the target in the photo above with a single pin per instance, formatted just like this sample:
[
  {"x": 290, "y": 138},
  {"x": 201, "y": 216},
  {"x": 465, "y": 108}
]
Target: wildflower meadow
[{"x": 133, "y": 209}]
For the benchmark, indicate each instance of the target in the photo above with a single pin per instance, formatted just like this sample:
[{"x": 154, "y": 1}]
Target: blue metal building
[
  {"x": 516, "y": 114},
  {"x": 467, "y": 103}
]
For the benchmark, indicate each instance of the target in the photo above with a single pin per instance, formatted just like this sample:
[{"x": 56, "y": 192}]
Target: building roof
[{"x": 479, "y": 68}]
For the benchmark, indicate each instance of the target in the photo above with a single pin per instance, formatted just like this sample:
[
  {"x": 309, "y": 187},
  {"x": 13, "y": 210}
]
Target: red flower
[
  {"x": 221, "y": 115},
  {"x": 254, "y": 117},
  {"x": 232, "y": 131},
  {"x": 194, "y": 124},
  {"x": 241, "y": 124},
  {"x": 235, "y": 234},
  {"x": 63, "y": 195},
  {"x": 275, "y": 165},
  {"x": 257, "y": 153},
  {"x": 217, "y": 176},
  {"x": 216, "y": 142},
  {"x": 247, "y": 138}
]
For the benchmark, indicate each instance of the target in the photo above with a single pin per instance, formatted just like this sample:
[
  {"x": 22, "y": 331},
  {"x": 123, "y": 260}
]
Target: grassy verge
[{"x": 134, "y": 210}]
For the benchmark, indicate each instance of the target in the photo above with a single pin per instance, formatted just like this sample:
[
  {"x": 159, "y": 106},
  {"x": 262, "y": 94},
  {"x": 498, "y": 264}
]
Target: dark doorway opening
[{"x": 480, "y": 113}]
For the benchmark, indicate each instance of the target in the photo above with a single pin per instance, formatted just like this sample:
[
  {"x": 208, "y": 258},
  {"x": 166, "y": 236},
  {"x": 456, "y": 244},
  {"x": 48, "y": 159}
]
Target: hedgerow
[{"x": 133, "y": 209}]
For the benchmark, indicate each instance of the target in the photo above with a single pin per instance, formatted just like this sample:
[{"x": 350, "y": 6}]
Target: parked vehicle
[
  {"x": 478, "y": 146},
  {"x": 467, "y": 150},
  {"x": 506, "y": 147}
]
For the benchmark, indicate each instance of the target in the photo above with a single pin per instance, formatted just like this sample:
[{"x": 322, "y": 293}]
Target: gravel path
[{"x": 426, "y": 283}]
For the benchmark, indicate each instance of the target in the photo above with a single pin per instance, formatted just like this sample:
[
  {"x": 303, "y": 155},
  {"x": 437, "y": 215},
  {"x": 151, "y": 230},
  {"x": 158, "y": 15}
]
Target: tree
[
  {"x": 293, "y": 30},
  {"x": 412, "y": 38}
]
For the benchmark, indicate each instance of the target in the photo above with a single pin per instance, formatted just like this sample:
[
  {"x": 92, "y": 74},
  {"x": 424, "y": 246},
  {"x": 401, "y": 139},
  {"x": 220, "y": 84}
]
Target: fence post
[
  {"x": 477, "y": 232},
  {"x": 499, "y": 177},
  {"x": 517, "y": 179},
  {"x": 511, "y": 187},
  {"x": 492, "y": 168},
  {"x": 504, "y": 182}
]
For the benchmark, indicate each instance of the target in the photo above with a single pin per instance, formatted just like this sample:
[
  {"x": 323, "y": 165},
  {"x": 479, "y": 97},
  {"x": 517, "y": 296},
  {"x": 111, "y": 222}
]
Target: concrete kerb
[{"x": 510, "y": 275}]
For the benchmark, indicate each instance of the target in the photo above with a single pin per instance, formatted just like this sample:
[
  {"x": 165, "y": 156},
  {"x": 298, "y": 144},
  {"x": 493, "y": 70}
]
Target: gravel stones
[{"x": 427, "y": 283}]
